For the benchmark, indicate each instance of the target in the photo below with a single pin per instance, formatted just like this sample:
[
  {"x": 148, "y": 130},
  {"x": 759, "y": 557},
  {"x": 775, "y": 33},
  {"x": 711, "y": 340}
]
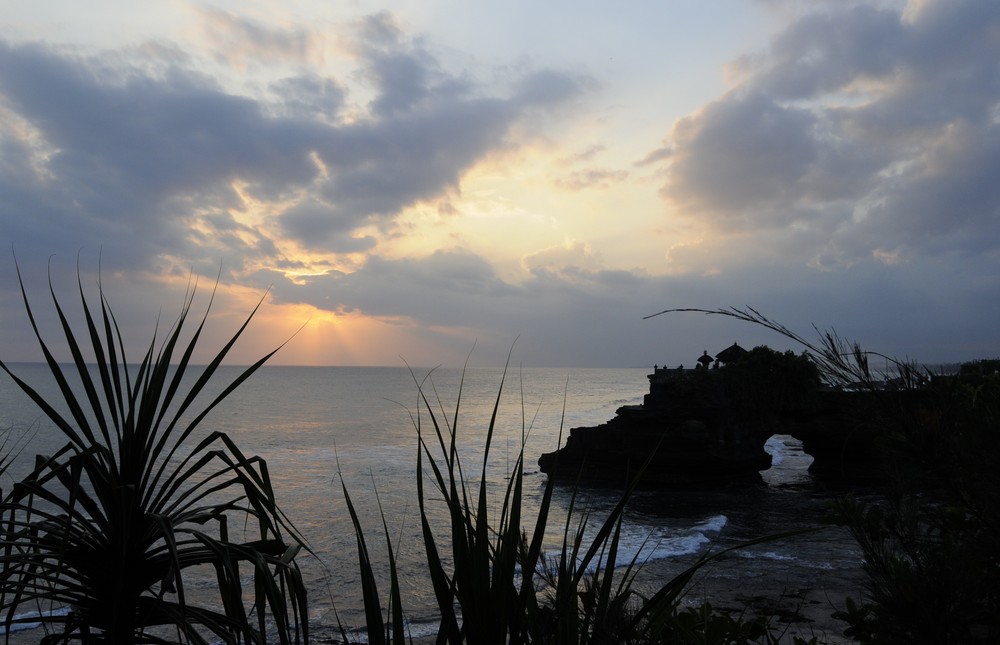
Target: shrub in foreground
[{"x": 97, "y": 542}]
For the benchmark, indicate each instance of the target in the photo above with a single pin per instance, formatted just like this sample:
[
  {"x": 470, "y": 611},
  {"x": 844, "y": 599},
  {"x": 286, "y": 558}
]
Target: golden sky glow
[{"x": 415, "y": 178}]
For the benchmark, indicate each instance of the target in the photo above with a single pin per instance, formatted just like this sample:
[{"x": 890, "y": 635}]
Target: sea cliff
[{"x": 707, "y": 426}]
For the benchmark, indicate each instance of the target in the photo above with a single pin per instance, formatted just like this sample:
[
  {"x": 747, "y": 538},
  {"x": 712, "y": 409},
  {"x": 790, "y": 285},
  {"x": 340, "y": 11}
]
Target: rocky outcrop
[
  {"x": 851, "y": 433},
  {"x": 707, "y": 427},
  {"x": 684, "y": 434}
]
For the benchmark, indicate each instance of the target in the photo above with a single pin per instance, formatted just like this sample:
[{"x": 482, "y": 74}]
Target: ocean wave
[
  {"x": 29, "y": 623},
  {"x": 713, "y": 524},
  {"x": 644, "y": 544},
  {"x": 415, "y": 629},
  {"x": 766, "y": 555}
]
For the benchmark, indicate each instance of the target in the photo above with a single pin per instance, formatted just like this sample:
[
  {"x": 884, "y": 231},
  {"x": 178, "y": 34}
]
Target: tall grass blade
[{"x": 369, "y": 588}]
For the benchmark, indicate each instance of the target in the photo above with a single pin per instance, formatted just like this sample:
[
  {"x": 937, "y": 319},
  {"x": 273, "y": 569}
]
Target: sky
[{"x": 415, "y": 181}]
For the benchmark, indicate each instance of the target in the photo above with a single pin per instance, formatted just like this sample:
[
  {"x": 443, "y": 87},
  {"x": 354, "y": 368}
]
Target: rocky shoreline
[
  {"x": 796, "y": 583},
  {"x": 796, "y": 602}
]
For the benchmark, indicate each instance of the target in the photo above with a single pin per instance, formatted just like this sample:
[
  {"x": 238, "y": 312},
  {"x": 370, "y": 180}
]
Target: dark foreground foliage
[
  {"x": 97, "y": 542},
  {"x": 502, "y": 588},
  {"x": 932, "y": 548},
  {"x": 931, "y": 544}
]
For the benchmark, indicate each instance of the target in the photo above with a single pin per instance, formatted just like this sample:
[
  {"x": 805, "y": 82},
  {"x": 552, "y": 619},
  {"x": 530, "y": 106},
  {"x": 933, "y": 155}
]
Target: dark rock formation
[
  {"x": 706, "y": 427},
  {"x": 684, "y": 433},
  {"x": 851, "y": 433}
]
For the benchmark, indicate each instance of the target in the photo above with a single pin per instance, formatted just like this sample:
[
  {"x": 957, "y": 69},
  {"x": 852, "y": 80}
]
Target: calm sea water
[{"x": 316, "y": 425}]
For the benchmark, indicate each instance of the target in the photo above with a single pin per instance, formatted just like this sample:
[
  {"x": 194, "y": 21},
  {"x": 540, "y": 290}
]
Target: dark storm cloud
[{"x": 877, "y": 127}]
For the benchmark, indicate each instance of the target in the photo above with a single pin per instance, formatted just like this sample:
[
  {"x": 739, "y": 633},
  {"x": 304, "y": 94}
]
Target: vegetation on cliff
[
  {"x": 931, "y": 544},
  {"x": 766, "y": 384}
]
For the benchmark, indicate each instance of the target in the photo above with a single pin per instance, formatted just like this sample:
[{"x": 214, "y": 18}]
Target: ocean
[{"x": 319, "y": 426}]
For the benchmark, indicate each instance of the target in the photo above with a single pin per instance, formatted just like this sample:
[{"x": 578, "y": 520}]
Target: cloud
[
  {"x": 404, "y": 74},
  {"x": 586, "y": 154},
  {"x": 655, "y": 156},
  {"x": 570, "y": 258},
  {"x": 238, "y": 40},
  {"x": 111, "y": 154},
  {"x": 105, "y": 149},
  {"x": 560, "y": 306},
  {"x": 381, "y": 29},
  {"x": 439, "y": 289},
  {"x": 377, "y": 169},
  {"x": 876, "y": 126},
  {"x": 847, "y": 180},
  {"x": 574, "y": 311},
  {"x": 592, "y": 178},
  {"x": 325, "y": 227},
  {"x": 549, "y": 88},
  {"x": 747, "y": 162},
  {"x": 309, "y": 96}
]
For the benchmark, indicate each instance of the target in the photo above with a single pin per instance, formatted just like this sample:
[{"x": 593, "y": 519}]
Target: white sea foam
[
  {"x": 766, "y": 555},
  {"x": 32, "y": 624},
  {"x": 413, "y": 629},
  {"x": 713, "y": 524},
  {"x": 644, "y": 544}
]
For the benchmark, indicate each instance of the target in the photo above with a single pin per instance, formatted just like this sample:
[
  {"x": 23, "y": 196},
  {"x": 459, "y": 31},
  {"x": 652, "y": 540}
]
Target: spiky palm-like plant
[
  {"x": 98, "y": 540},
  {"x": 499, "y": 587}
]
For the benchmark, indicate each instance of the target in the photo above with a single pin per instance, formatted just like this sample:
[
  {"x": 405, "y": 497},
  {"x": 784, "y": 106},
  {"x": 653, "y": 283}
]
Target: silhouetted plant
[
  {"x": 841, "y": 363},
  {"x": 99, "y": 539},
  {"x": 931, "y": 545},
  {"x": 766, "y": 383},
  {"x": 501, "y": 588}
]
